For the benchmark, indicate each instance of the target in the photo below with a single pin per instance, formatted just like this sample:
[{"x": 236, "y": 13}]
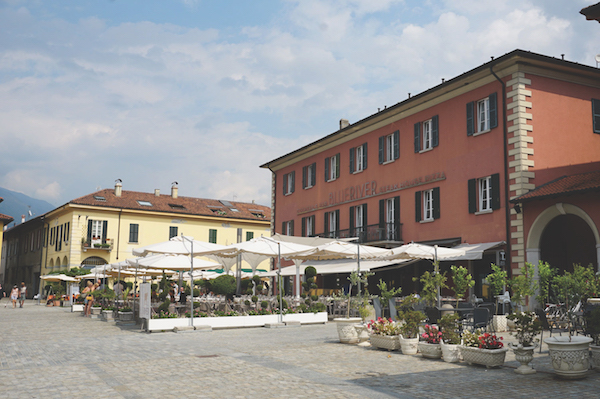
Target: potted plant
[
  {"x": 450, "y": 340},
  {"x": 484, "y": 349},
  {"x": 545, "y": 276},
  {"x": 462, "y": 282},
  {"x": 346, "y": 325},
  {"x": 592, "y": 328},
  {"x": 384, "y": 334},
  {"x": 429, "y": 345},
  {"x": 522, "y": 285},
  {"x": 409, "y": 340},
  {"x": 527, "y": 328},
  {"x": 431, "y": 283},
  {"x": 497, "y": 281},
  {"x": 569, "y": 354},
  {"x": 125, "y": 314},
  {"x": 386, "y": 294}
]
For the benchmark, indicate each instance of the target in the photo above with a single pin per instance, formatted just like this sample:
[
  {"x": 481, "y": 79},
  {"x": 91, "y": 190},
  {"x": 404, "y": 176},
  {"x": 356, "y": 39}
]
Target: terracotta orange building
[{"x": 454, "y": 165}]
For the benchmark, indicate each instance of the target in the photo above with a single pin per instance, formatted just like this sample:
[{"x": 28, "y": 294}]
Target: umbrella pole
[
  {"x": 279, "y": 282},
  {"x": 192, "y": 284},
  {"x": 358, "y": 266},
  {"x": 436, "y": 266}
]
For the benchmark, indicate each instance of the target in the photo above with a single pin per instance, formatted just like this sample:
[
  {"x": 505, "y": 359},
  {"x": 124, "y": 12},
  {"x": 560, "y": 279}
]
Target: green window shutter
[
  {"x": 67, "y": 231},
  {"x": 418, "y": 206},
  {"x": 133, "y": 232},
  {"x": 291, "y": 227},
  {"x": 312, "y": 231},
  {"x": 596, "y": 115},
  {"x": 364, "y": 154},
  {"x": 313, "y": 173},
  {"x": 397, "y": 210},
  {"x": 327, "y": 161},
  {"x": 326, "y": 223},
  {"x": 337, "y": 165},
  {"x": 495, "y": 191},
  {"x": 303, "y": 227},
  {"x": 104, "y": 230},
  {"x": 470, "y": 118},
  {"x": 285, "y": 183},
  {"x": 352, "y": 152},
  {"x": 381, "y": 214},
  {"x": 365, "y": 216},
  {"x": 212, "y": 236},
  {"x": 493, "y": 103},
  {"x": 396, "y": 144},
  {"x": 352, "y": 224},
  {"x": 172, "y": 232},
  {"x": 417, "y": 137},
  {"x": 381, "y": 149},
  {"x": 436, "y": 203},
  {"x": 434, "y": 131},
  {"x": 89, "y": 232},
  {"x": 304, "y": 176},
  {"x": 472, "y": 183},
  {"x": 293, "y": 177},
  {"x": 337, "y": 221},
  {"x": 249, "y": 235}
]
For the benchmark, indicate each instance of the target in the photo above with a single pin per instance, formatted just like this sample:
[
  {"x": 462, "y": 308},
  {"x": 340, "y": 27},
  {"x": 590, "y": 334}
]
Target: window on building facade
[
  {"x": 389, "y": 218},
  {"x": 426, "y": 134},
  {"x": 133, "y": 232},
  {"x": 309, "y": 174},
  {"x": 332, "y": 220},
  {"x": 596, "y": 115},
  {"x": 97, "y": 230},
  {"x": 482, "y": 115},
  {"x": 358, "y": 221},
  {"x": 173, "y": 231},
  {"x": 389, "y": 147},
  {"x": 287, "y": 228},
  {"x": 308, "y": 226},
  {"x": 212, "y": 236},
  {"x": 358, "y": 158},
  {"x": 67, "y": 231},
  {"x": 249, "y": 235},
  {"x": 288, "y": 183},
  {"x": 427, "y": 205},
  {"x": 484, "y": 194},
  {"x": 332, "y": 167}
]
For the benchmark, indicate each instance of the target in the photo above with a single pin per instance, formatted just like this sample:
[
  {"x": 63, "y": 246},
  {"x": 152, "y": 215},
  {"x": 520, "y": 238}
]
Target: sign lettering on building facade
[{"x": 370, "y": 189}]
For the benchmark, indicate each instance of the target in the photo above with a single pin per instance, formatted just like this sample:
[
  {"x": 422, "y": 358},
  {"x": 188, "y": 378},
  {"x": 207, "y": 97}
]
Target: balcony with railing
[
  {"x": 386, "y": 235},
  {"x": 99, "y": 244}
]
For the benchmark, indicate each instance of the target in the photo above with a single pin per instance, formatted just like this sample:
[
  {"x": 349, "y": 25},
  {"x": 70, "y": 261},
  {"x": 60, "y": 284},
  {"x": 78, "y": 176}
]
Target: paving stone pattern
[{"x": 53, "y": 353}]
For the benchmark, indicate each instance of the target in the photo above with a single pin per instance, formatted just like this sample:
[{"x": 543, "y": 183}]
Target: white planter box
[
  {"x": 235, "y": 321},
  {"x": 76, "y": 307}
]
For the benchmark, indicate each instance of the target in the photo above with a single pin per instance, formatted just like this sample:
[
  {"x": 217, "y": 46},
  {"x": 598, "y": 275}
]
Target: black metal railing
[{"x": 388, "y": 232}]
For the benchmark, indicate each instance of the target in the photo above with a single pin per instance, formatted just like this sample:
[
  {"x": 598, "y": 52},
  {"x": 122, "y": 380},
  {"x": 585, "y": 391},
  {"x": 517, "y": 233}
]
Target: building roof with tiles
[{"x": 564, "y": 185}]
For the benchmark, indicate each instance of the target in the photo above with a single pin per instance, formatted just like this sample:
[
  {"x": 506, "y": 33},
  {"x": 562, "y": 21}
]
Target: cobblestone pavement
[{"x": 52, "y": 353}]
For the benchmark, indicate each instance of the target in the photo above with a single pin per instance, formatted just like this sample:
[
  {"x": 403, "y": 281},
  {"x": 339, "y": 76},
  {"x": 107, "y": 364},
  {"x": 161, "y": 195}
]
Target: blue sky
[{"x": 203, "y": 92}]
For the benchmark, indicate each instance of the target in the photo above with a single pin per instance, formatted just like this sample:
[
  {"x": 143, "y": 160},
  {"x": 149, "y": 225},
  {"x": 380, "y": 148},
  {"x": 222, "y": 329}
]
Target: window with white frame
[
  {"x": 428, "y": 205},
  {"x": 390, "y": 217},
  {"x": 97, "y": 231},
  {"x": 288, "y": 183},
  {"x": 287, "y": 228},
  {"x": 332, "y": 167},
  {"x": 389, "y": 147},
  {"x": 331, "y": 223},
  {"x": 483, "y": 115},
  {"x": 427, "y": 139},
  {"x": 485, "y": 194},
  {"x": 308, "y": 175},
  {"x": 358, "y": 158},
  {"x": 308, "y": 226}
]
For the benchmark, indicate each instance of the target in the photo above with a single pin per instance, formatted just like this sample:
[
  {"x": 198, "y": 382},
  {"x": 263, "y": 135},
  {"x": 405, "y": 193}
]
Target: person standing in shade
[
  {"x": 2, "y": 293},
  {"x": 23, "y": 294},
  {"x": 182, "y": 296}
]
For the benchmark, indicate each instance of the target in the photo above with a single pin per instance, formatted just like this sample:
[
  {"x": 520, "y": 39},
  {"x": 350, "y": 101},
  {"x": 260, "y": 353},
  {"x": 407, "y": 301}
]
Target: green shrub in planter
[
  {"x": 247, "y": 302},
  {"x": 303, "y": 295},
  {"x": 164, "y": 307},
  {"x": 317, "y": 307},
  {"x": 125, "y": 309},
  {"x": 264, "y": 304},
  {"x": 254, "y": 299},
  {"x": 314, "y": 298}
]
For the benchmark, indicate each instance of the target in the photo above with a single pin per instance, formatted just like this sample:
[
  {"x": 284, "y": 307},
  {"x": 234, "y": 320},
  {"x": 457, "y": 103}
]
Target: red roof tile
[
  {"x": 573, "y": 184},
  {"x": 5, "y": 218},
  {"x": 181, "y": 205}
]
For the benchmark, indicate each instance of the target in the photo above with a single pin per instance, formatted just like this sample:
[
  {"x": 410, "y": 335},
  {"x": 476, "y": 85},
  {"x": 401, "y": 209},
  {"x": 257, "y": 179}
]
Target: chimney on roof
[
  {"x": 157, "y": 192},
  {"x": 118, "y": 188},
  {"x": 174, "y": 190},
  {"x": 22, "y": 218},
  {"x": 344, "y": 123}
]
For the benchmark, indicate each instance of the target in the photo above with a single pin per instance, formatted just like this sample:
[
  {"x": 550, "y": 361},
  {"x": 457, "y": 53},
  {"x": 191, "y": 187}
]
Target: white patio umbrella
[
  {"x": 55, "y": 278},
  {"x": 172, "y": 262}
]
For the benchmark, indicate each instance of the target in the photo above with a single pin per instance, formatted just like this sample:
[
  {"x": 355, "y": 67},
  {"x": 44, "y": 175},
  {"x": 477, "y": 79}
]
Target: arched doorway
[
  {"x": 563, "y": 234},
  {"x": 568, "y": 240}
]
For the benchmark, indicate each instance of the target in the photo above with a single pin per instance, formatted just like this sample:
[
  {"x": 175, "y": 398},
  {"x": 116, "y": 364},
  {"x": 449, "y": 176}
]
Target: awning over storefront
[
  {"x": 475, "y": 251},
  {"x": 336, "y": 266}
]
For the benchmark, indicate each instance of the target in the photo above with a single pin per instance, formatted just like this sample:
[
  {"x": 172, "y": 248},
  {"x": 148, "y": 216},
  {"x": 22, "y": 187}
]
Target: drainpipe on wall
[
  {"x": 119, "y": 233},
  {"x": 506, "y": 196},
  {"x": 44, "y": 237}
]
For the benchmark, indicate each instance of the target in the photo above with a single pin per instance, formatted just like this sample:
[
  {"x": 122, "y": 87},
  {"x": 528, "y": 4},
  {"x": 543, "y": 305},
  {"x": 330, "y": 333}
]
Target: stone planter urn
[
  {"x": 595, "y": 357},
  {"x": 570, "y": 358},
  {"x": 523, "y": 355},
  {"x": 96, "y": 310},
  {"x": 362, "y": 332},
  {"x": 430, "y": 351},
  {"x": 410, "y": 346},
  {"x": 450, "y": 352},
  {"x": 499, "y": 323},
  {"x": 125, "y": 316},
  {"x": 107, "y": 315},
  {"x": 346, "y": 330},
  {"x": 389, "y": 342},
  {"x": 485, "y": 357}
]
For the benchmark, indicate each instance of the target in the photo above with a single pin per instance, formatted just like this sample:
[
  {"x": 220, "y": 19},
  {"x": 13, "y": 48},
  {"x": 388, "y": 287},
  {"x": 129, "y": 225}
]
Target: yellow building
[{"x": 105, "y": 226}]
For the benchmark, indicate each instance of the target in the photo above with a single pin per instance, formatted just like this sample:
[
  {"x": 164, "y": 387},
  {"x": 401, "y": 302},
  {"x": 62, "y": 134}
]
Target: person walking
[
  {"x": 14, "y": 295},
  {"x": 23, "y": 294}
]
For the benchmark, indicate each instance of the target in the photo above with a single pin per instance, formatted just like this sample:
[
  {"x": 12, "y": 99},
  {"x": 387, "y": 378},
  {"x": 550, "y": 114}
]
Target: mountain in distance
[{"x": 17, "y": 204}]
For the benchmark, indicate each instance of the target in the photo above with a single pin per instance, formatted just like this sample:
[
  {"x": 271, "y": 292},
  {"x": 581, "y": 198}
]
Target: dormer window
[
  {"x": 99, "y": 198},
  {"x": 144, "y": 203},
  {"x": 177, "y": 206}
]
